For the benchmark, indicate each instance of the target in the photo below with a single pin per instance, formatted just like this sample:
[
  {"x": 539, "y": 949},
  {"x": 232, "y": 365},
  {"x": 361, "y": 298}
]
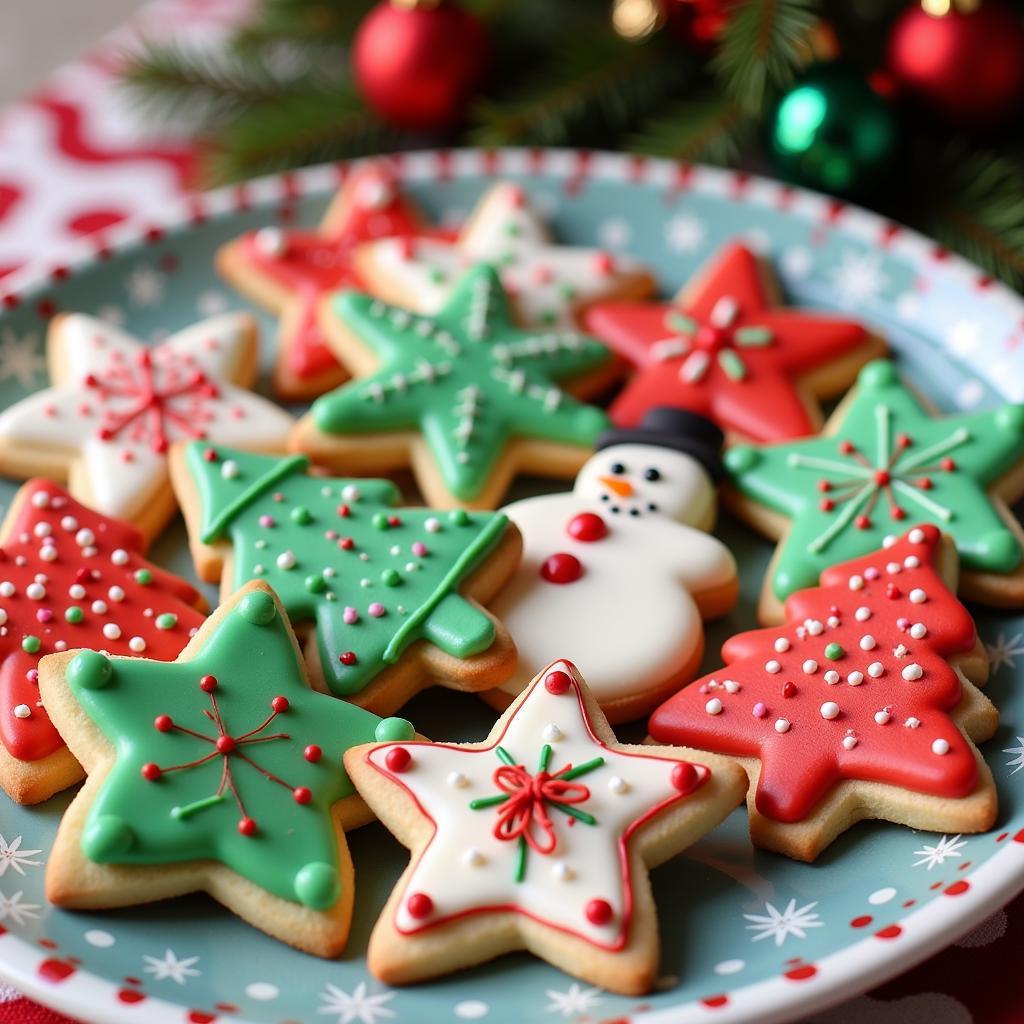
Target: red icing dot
[
  {"x": 826, "y": 504},
  {"x": 279, "y": 704},
  {"x": 948, "y": 464},
  {"x": 312, "y": 753},
  {"x": 598, "y": 911},
  {"x": 898, "y": 513},
  {"x": 882, "y": 477},
  {"x": 344, "y": 511},
  {"x": 394, "y": 521},
  {"x": 208, "y": 684},
  {"x": 802, "y": 973},
  {"x": 163, "y": 723},
  {"x": 957, "y": 888},
  {"x": 711, "y": 337},
  {"x": 846, "y": 447},
  {"x": 892, "y": 591},
  {"x": 302, "y": 794},
  {"x": 824, "y": 486},
  {"x": 714, "y": 1002},
  {"x": 225, "y": 745},
  {"x": 561, "y": 568},
  {"x": 891, "y": 931},
  {"x": 925, "y": 483},
  {"x": 247, "y": 827},
  {"x": 419, "y": 905},
  {"x": 210, "y": 454},
  {"x": 587, "y": 526},
  {"x": 397, "y": 759},
  {"x": 789, "y": 689},
  {"x": 861, "y": 922},
  {"x": 862, "y": 522},
  {"x": 130, "y": 996},
  {"x": 903, "y": 440},
  {"x": 685, "y": 777},
  {"x": 347, "y": 657},
  {"x": 151, "y": 772},
  {"x": 557, "y": 682},
  {"x": 346, "y": 543}
]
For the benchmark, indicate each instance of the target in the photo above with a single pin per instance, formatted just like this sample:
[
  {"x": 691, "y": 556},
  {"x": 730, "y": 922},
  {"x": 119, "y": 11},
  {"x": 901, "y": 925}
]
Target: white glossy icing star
[
  {"x": 115, "y": 406},
  {"x": 550, "y": 283}
]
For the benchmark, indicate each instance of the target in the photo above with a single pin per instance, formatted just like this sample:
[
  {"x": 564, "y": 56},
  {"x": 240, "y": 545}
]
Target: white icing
[
  {"x": 630, "y": 622},
  {"x": 586, "y": 863}
]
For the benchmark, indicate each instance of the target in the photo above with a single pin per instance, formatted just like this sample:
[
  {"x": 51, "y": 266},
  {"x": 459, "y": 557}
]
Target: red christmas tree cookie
[
  {"x": 863, "y": 704},
  {"x": 725, "y": 348}
]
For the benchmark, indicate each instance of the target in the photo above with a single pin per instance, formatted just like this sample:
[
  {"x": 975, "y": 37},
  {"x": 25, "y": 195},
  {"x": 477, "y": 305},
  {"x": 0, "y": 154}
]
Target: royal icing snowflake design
[
  {"x": 71, "y": 578},
  {"x": 466, "y": 378},
  {"x": 885, "y": 463},
  {"x": 358, "y": 1006},
  {"x": 117, "y": 405},
  {"x": 374, "y": 579},
  {"x": 549, "y": 282},
  {"x": 539, "y": 820},
  {"x": 854, "y": 685},
  {"x": 726, "y": 349},
  {"x": 779, "y": 925},
  {"x": 932, "y": 855},
  {"x": 222, "y": 757},
  {"x": 171, "y": 967},
  {"x": 291, "y": 270}
]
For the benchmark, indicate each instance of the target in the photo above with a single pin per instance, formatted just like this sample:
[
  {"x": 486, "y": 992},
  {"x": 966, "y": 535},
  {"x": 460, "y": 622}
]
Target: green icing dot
[
  {"x": 107, "y": 838},
  {"x": 74, "y": 614},
  {"x": 834, "y": 651},
  {"x": 394, "y": 730},
  {"x": 458, "y": 517},
  {"x": 739, "y": 460},
  {"x": 301, "y": 515},
  {"x": 31, "y": 644},
  {"x": 168, "y": 620},
  {"x": 878, "y": 374},
  {"x": 257, "y": 608},
  {"x": 391, "y": 577},
  {"x": 316, "y": 584},
  {"x": 567, "y": 291},
  {"x": 91, "y": 670},
  {"x": 317, "y": 885},
  {"x": 380, "y": 520},
  {"x": 143, "y": 576}
]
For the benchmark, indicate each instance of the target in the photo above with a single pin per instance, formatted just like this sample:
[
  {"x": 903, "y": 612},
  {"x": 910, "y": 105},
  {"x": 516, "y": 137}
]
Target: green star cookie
[
  {"x": 467, "y": 379},
  {"x": 225, "y": 755},
  {"x": 883, "y": 464},
  {"x": 374, "y": 579}
]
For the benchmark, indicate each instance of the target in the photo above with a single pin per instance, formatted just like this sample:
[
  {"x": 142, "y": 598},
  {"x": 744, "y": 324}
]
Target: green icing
[
  {"x": 191, "y": 813},
  {"x": 468, "y": 378},
  {"x": 888, "y": 465},
  {"x": 328, "y": 567}
]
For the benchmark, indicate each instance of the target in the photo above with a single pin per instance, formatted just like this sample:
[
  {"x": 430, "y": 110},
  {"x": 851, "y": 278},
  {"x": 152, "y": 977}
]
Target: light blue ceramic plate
[{"x": 745, "y": 935}]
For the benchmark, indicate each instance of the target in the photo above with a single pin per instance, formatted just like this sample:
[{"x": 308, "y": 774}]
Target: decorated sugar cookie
[
  {"x": 115, "y": 406},
  {"x": 391, "y": 593},
  {"x": 221, "y": 771},
  {"x": 463, "y": 396},
  {"x": 70, "y": 577},
  {"x": 862, "y": 704},
  {"x": 289, "y": 271},
  {"x": 885, "y": 463},
  {"x": 619, "y": 572},
  {"x": 539, "y": 838},
  {"x": 726, "y": 347},
  {"x": 549, "y": 283}
]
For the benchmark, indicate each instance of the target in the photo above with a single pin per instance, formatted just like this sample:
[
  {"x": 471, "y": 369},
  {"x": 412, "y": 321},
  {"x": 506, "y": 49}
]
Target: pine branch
[
  {"x": 309, "y": 23},
  {"x": 764, "y": 45},
  {"x": 708, "y": 130}
]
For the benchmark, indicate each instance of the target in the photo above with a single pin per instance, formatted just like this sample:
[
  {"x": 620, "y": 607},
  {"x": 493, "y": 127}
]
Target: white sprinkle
[
  {"x": 229, "y": 469},
  {"x": 563, "y": 873},
  {"x": 782, "y": 645},
  {"x": 7, "y": 589},
  {"x": 912, "y": 723},
  {"x": 286, "y": 560},
  {"x": 882, "y": 717},
  {"x": 911, "y": 562},
  {"x": 115, "y": 594},
  {"x": 855, "y": 678},
  {"x": 876, "y": 669},
  {"x": 772, "y": 667},
  {"x": 918, "y": 630},
  {"x": 813, "y": 627},
  {"x": 867, "y": 642},
  {"x": 939, "y": 746},
  {"x": 810, "y": 666},
  {"x": 713, "y": 706},
  {"x": 3, "y": 617},
  {"x": 69, "y": 523},
  {"x": 119, "y": 556},
  {"x": 457, "y": 780},
  {"x": 830, "y": 709},
  {"x": 473, "y": 858},
  {"x": 112, "y": 631},
  {"x": 912, "y": 672},
  {"x": 552, "y": 734},
  {"x": 893, "y": 567},
  {"x": 832, "y": 621},
  {"x": 85, "y": 538},
  {"x": 76, "y": 591},
  {"x": 856, "y": 582},
  {"x": 731, "y": 686},
  {"x": 888, "y": 540},
  {"x": 35, "y": 591},
  {"x": 916, "y": 536},
  {"x": 137, "y": 644},
  {"x": 40, "y": 499},
  {"x": 48, "y": 553},
  {"x": 863, "y": 613},
  {"x": 618, "y": 785},
  {"x": 831, "y": 677},
  {"x": 270, "y": 241},
  {"x": 22, "y": 711},
  {"x": 43, "y": 529},
  {"x": 900, "y": 651},
  {"x": 432, "y": 525},
  {"x": 99, "y": 607},
  {"x": 849, "y": 742},
  {"x": 782, "y": 725},
  {"x": 918, "y": 596},
  {"x": 350, "y": 492}
]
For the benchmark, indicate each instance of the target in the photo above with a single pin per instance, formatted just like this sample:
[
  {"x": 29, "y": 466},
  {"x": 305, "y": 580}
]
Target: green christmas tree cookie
[
  {"x": 885, "y": 463},
  {"x": 464, "y": 396},
  {"x": 390, "y": 592},
  {"x": 221, "y": 771}
]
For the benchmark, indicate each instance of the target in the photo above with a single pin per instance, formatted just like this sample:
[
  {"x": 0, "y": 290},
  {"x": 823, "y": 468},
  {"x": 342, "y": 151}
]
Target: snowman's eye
[
  {"x": 652, "y": 474},
  {"x": 618, "y": 468}
]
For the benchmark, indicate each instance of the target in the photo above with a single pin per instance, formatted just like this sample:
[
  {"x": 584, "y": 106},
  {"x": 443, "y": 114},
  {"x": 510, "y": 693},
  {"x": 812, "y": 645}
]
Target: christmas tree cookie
[
  {"x": 725, "y": 347},
  {"x": 290, "y": 270},
  {"x": 69, "y": 578},
  {"x": 862, "y": 704},
  {"x": 463, "y": 396},
  {"x": 884, "y": 463},
  {"x": 550, "y": 283},
  {"x": 219, "y": 772},
  {"x": 538, "y": 838},
  {"x": 115, "y": 406},
  {"x": 391, "y": 593}
]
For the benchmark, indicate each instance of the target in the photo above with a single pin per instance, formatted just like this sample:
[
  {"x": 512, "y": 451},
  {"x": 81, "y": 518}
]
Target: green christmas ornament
[{"x": 831, "y": 131}]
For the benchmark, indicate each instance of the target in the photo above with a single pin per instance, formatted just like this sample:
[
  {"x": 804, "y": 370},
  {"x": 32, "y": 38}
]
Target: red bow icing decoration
[{"x": 524, "y": 801}]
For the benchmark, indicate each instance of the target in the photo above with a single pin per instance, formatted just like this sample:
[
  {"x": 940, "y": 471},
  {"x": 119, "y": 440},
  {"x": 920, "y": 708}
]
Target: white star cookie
[
  {"x": 539, "y": 838},
  {"x": 116, "y": 405},
  {"x": 550, "y": 283}
]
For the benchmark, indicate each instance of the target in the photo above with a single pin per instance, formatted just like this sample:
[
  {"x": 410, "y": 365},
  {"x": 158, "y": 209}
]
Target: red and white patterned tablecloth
[{"x": 74, "y": 161}]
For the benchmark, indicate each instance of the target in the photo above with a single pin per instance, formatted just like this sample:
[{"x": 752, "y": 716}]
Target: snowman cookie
[{"x": 619, "y": 574}]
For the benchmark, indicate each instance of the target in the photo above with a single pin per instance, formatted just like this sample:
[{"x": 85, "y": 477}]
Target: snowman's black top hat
[{"x": 678, "y": 429}]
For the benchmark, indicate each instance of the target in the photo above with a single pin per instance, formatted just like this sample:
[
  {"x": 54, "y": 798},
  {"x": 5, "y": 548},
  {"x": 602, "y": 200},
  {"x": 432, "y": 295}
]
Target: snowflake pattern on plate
[
  {"x": 933, "y": 855},
  {"x": 358, "y": 1006},
  {"x": 779, "y": 925}
]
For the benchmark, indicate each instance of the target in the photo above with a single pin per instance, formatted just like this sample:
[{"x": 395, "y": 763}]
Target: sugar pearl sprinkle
[
  {"x": 713, "y": 706},
  {"x": 940, "y": 746},
  {"x": 912, "y": 672},
  {"x": 830, "y": 709},
  {"x": 850, "y": 741},
  {"x": 782, "y": 725}
]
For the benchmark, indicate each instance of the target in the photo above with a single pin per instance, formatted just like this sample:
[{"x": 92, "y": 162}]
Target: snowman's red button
[
  {"x": 561, "y": 568},
  {"x": 587, "y": 526}
]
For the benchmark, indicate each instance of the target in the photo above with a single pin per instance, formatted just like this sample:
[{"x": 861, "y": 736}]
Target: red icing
[
  {"x": 398, "y": 759},
  {"x": 420, "y": 905},
  {"x": 557, "y": 682},
  {"x": 598, "y": 912},
  {"x": 799, "y": 766},
  {"x": 313, "y": 264},
  {"x": 587, "y": 526},
  {"x": 525, "y": 812},
  {"x": 29, "y": 739},
  {"x": 765, "y": 404},
  {"x": 561, "y": 568}
]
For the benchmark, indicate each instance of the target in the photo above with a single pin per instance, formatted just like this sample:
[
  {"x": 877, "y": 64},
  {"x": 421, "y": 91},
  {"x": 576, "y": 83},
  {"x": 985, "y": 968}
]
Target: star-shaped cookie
[
  {"x": 290, "y": 270},
  {"x": 115, "y": 405},
  {"x": 725, "y": 347},
  {"x": 221, "y": 771},
  {"x": 463, "y": 395},
  {"x": 538, "y": 838},
  {"x": 884, "y": 463},
  {"x": 549, "y": 283}
]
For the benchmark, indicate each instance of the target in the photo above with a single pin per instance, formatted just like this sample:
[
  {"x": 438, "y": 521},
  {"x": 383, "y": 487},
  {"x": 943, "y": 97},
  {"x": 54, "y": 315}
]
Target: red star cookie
[
  {"x": 290, "y": 271},
  {"x": 726, "y": 349}
]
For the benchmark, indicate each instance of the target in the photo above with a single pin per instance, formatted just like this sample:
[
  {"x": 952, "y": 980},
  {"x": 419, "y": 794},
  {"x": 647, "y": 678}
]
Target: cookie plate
[{"x": 746, "y": 935}]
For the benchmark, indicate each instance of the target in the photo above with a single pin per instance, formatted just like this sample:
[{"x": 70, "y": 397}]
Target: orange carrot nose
[{"x": 623, "y": 488}]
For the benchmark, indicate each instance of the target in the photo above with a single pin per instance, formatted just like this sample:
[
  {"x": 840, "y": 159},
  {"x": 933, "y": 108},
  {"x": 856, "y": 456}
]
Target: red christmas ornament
[
  {"x": 697, "y": 24},
  {"x": 418, "y": 63},
  {"x": 962, "y": 58}
]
